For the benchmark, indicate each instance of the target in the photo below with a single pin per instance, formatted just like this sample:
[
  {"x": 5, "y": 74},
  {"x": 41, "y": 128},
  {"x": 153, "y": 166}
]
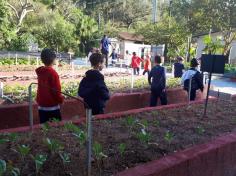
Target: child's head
[
  {"x": 97, "y": 61},
  {"x": 134, "y": 53},
  {"x": 157, "y": 59},
  {"x": 48, "y": 57},
  {"x": 179, "y": 59},
  {"x": 194, "y": 63}
]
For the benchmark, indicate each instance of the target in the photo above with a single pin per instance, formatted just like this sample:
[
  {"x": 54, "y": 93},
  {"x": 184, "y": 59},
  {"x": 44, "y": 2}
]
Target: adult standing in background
[{"x": 104, "y": 46}]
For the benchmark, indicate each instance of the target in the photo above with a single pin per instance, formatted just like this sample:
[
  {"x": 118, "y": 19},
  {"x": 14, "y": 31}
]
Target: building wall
[{"x": 201, "y": 46}]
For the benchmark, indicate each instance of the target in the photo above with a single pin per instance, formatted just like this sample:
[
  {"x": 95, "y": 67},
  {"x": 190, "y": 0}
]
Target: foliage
[
  {"x": 53, "y": 145},
  {"x": 200, "y": 130},
  {"x": 173, "y": 82},
  {"x": 122, "y": 148},
  {"x": 23, "y": 151},
  {"x": 169, "y": 137},
  {"x": 45, "y": 128},
  {"x": 98, "y": 151},
  {"x": 65, "y": 158},
  {"x": 144, "y": 137},
  {"x": 39, "y": 160},
  {"x": 3, "y": 167},
  {"x": 213, "y": 46}
]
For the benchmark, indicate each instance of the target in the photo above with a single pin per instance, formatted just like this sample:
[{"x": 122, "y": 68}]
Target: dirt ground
[{"x": 126, "y": 142}]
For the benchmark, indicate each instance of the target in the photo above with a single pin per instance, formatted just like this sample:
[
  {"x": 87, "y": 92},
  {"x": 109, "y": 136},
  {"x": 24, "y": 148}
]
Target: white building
[{"x": 201, "y": 46}]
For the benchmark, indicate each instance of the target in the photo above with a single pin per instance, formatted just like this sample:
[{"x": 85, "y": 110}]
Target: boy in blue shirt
[{"x": 157, "y": 80}]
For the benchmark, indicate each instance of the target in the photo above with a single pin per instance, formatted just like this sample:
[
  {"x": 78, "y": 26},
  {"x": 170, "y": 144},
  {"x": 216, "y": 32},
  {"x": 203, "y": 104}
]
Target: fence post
[
  {"x": 89, "y": 140},
  {"x": 30, "y": 107},
  {"x": 132, "y": 80},
  {"x": 28, "y": 59},
  {"x": 1, "y": 90}
]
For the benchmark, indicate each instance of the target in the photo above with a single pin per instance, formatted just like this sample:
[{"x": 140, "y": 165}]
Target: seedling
[
  {"x": 122, "y": 148},
  {"x": 154, "y": 113},
  {"x": 98, "y": 151},
  {"x": 53, "y": 145},
  {"x": 144, "y": 137},
  {"x": 39, "y": 160},
  {"x": 81, "y": 136},
  {"x": 45, "y": 128},
  {"x": 65, "y": 158},
  {"x": 3, "y": 141},
  {"x": 144, "y": 123},
  {"x": 55, "y": 120},
  {"x": 3, "y": 167},
  {"x": 13, "y": 137},
  {"x": 24, "y": 151},
  {"x": 156, "y": 123},
  {"x": 72, "y": 127},
  {"x": 169, "y": 137},
  {"x": 130, "y": 122},
  {"x": 200, "y": 130},
  {"x": 14, "y": 171}
]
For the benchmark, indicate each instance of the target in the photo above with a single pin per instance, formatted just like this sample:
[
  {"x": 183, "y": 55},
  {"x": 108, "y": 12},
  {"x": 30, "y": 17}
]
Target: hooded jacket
[
  {"x": 93, "y": 90},
  {"x": 197, "y": 80},
  {"x": 49, "y": 87},
  {"x": 136, "y": 62}
]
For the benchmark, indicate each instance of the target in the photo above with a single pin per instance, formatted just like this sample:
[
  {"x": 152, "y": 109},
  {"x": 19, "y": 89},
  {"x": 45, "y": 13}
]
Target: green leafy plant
[
  {"x": 45, "y": 128},
  {"x": 65, "y": 158},
  {"x": 130, "y": 122},
  {"x": 169, "y": 137},
  {"x": 144, "y": 137},
  {"x": 156, "y": 123},
  {"x": 53, "y": 145},
  {"x": 3, "y": 167},
  {"x": 200, "y": 130},
  {"x": 98, "y": 151},
  {"x": 23, "y": 151},
  {"x": 144, "y": 123},
  {"x": 11, "y": 170},
  {"x": 39, "y": 160},
  {"x": 72, "y": 127},
  {"x": 81, "y": 136},
  {"x": 3, "y": 141},
  {"x": 55, "y": 120},
  {"x": 122, "y": 148},
  {"x": 13, "y": 137}
]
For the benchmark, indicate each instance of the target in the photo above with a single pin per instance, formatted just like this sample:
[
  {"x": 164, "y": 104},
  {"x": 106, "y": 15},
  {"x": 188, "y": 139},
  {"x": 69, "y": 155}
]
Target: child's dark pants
[
  {"x": 136, "y": 71},
  {"x": 193, "y": 94},
  {"x": 155, "y": 94},
  {"x": 46, "y": 116},
  {"x": 146, "y": 71}
]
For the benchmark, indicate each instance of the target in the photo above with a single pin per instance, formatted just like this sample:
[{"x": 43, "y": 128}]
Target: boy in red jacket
[
  {"x": 147, "y": 65},
  {"x": 49, "y": 95},
  {"x": 135, "y": 64}
]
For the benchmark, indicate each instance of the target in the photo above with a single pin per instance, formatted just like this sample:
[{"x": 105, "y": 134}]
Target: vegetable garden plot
[{"x": 118, "y": 144}]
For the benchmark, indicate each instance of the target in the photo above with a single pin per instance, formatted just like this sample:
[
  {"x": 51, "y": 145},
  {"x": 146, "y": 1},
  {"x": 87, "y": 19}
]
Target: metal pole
[
  {"x": 1, "y": 90},
  {"x": 30, "y": 108},
  {"x": 16, "y": 59},
  {"x": 132, "y": 80},
  {"x": 154, "y": 11},
  {"x": 89, "y": 140}
]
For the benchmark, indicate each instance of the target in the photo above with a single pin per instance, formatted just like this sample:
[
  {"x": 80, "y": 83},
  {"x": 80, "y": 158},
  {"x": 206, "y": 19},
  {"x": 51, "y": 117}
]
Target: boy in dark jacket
[
  {"x": 157, "y": 80},
  {"x": 49, "y": 95},
  {"x": 196, "y": 79},
  {"x": 92, "y": 88},
  {"x": 178, "y": 68}
]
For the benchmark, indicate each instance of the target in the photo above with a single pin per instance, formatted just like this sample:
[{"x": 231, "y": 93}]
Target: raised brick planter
[
  {"x": 13, "y": 116},
  {"x": 216, "y": 158}
]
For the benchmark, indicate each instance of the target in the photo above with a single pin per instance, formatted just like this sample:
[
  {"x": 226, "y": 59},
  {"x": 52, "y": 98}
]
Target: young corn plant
[
  {"x": 39, "y": 160},
  {"x": 45, "y": 128},
  {"x": 200, "y": 130},
  {"x": 53, "y": 145},
  {"x": 23, "y": 150},
  {"x": 72, "y": 127},
  {"x": 11, "y": 170},
  {"x": 65, "y": 158},
  {"x": 12, "y": 137},
  {"x": 130, "y": 122},
  {"x": 169, "y": 137},
  {"x": 3, "y": 167},
  {"x": 122, "y": 148},
  {"x": 144, "y": 137},
  {"x": 81, "y": 136},
  {"x": 98, "y": 154}
]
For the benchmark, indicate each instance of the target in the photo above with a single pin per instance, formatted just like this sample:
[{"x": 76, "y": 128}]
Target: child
[
  {"x": 147, "y": 65},
  {"x": 157, "y": 80},
  {"x": 135, "y": 63},
  {"x": 92, "y": 88},
  {"x": 197, "y": 80},
  {"x": 178, "y": 68},
  {"x": 49, "y": 95},
  {"x": 114, "y": 56}
]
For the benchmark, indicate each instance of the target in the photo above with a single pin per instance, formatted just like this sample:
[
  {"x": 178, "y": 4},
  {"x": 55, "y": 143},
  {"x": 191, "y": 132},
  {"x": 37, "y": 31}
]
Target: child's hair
[
  {"x": 48, "y": 56},
  {"x": 134, "y": 53},
  {"x": 179, "y": 59},
  {"x": 95, "y": 59},
  {"x": 157, "y": 59},
  {"x": 194, "y": 63}
]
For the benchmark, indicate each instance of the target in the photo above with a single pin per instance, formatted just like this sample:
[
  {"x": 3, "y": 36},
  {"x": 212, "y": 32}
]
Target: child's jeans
[
  {"x": 155, "y": 94},
  {"x": 46, "y": 116},
  {"x": 193, "y": 94},
  {"x": 136, "y": 71}
]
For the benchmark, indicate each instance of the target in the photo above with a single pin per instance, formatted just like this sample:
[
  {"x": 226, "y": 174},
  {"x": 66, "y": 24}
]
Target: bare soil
[{"x": 170, "y": 131}]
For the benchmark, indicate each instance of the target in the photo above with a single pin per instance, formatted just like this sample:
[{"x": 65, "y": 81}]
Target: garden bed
[{"x": 120, "y": 143}]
